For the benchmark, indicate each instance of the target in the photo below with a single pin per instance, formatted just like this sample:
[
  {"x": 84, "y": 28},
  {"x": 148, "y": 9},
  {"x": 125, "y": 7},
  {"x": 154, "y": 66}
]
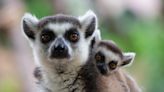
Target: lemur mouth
[{"x": 60, "y": 56}]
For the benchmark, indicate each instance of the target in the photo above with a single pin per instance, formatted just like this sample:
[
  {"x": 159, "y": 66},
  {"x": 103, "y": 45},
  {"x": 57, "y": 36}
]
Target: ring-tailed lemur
[
  {"x": 61, "y": 46},
  {"x": 109, "y": 60}
]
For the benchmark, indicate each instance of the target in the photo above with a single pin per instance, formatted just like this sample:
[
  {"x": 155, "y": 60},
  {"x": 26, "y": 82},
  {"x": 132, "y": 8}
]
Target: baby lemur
[{"x": 109, "y": 60}]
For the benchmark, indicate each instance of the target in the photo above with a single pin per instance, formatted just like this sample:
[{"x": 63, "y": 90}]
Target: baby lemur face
[
  {"x": 109, "y": 58},
  {"x": 60, "y": 38}
]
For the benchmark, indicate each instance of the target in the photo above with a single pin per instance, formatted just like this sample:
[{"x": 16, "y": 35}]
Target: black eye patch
[
  {"x": 99, "y": 57},
  {"x": 72, "y": 35},
  {"x": 46, "y": 36}
]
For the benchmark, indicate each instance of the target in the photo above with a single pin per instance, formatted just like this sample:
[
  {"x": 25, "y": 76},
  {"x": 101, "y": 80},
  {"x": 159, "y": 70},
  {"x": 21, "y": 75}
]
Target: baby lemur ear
[
  {"x": 97, "y": 35},
  {"x": 96, "y": 38},
  {"x": 89, "y": 23},
  {"x": 128, "y": 58},
  {"x": 29, "y": 26}
]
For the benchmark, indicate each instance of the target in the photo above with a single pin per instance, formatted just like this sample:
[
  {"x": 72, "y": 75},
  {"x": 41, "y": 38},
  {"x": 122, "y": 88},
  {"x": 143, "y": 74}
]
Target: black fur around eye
[
  {"x": 72, "y": 35},
  {"x": 99, "y": 57},
  {"x": 47, "y": 36},
  {"x": 113, "y": 65}
]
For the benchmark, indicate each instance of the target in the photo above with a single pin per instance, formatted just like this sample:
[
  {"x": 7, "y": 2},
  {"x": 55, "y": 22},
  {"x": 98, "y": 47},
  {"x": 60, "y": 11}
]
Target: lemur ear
[
  {"x": 89, "y": 23},
  {"x": 128, "y": 58},
  {"x": 29, "y": 25},
  {"x": 97, "y": 35}
]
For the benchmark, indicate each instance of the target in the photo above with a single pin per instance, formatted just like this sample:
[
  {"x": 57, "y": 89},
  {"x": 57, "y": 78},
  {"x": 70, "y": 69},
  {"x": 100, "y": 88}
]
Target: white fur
[
  {"x": 29, "y": 17},
  {"x": 59, "y": 29}
]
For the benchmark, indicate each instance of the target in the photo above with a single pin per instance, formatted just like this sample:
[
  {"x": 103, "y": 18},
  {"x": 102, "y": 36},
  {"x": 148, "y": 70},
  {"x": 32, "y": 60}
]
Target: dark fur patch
[
  {"x": 37, "y": 73},
  {"x": 28, "y": 31},
  {"x": 47, "y": 90},
  {"x": 60, "y": 18},
  {"x": 89, "y": 75},
  {"x": 111, "y": 46},
  {"x": 93, "y": 41},
  {"x": 90, "y": 28}
]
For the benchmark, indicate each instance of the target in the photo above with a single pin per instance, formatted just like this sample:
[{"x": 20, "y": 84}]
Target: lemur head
[
  {"x": 60, "y": 38},
  {"x": 109, "y": 57}
]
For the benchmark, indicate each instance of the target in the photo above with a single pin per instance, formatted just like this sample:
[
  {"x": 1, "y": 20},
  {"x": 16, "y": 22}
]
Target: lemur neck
[
  {"x": 66, "y": 78},
  {"x": 63, "y": 77}
]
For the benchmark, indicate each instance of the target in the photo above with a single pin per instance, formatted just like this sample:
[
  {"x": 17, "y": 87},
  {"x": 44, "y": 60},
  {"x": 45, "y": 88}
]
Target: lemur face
[
  {"x": 109, "y": 58},
  {"x": 60, "y": 38}
]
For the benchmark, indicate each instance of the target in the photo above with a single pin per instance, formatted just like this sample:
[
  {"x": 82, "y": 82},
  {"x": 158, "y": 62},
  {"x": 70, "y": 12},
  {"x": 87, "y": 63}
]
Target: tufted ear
[
  {"x": 89, "y": 23},
  {"x": 128, "y": 58},
  {"x": 97, "y": 35},
  {"x": 29, "y": 26}
]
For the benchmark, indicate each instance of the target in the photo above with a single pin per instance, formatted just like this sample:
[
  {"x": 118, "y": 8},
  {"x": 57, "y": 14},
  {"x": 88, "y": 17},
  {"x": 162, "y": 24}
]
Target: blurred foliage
[
  {"x": 9, "y": 85},
  {"x": 39, "y": 8}
]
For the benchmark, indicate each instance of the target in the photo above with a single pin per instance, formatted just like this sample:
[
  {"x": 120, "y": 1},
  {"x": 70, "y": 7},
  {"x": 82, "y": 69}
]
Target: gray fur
[{"x": 60, "y": 18}]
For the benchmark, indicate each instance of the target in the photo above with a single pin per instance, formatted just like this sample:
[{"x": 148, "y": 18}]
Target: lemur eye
[
  {"x": 113, "y": 65},
  {"x": 99, "y": 57},
  {"x": 47, "y": 36},
  {"x": 72, "y": 35}
]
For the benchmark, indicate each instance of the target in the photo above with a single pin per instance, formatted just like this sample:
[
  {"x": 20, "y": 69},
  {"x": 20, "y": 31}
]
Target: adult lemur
[{"x": 61, "y": 45}]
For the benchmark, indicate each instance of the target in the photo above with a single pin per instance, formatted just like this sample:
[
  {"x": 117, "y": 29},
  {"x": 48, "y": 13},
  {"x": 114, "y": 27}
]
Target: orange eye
[
  {"x": 112, "y": 65},
  {"x": 74, "y": 37}
]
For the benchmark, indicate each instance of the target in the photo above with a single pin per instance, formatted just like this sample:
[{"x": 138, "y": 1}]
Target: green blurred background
[{"x": 135, "y": 25}]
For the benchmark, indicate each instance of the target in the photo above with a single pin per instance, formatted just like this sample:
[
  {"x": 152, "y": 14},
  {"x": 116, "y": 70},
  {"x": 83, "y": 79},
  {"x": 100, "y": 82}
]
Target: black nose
[
  {"x": 59, "y": 51},
  {"x": 60, "y": 48},
  {"x": 102, "y": 68}
]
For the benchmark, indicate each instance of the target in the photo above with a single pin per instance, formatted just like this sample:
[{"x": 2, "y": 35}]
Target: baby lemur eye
[
  {"x": 72, "y": 35},
  {"x": 99, "y": 57},
  {"x": 47, "y": 36},
  {"x": 112, "y": 65}
]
